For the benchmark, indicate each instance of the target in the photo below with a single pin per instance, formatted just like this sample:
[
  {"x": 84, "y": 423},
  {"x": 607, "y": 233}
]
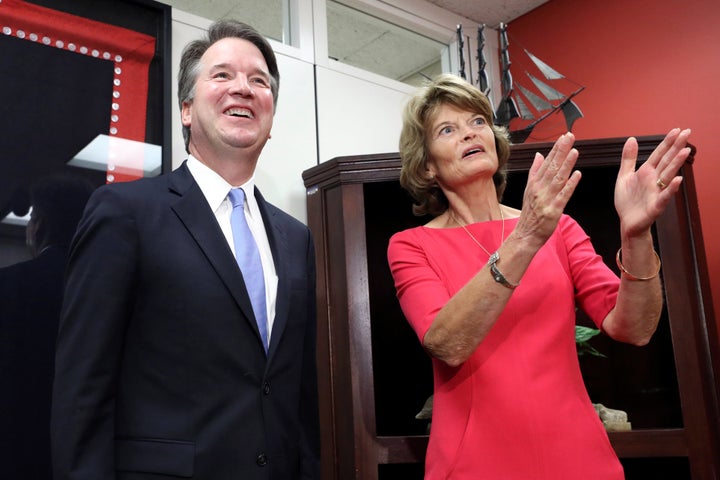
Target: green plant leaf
[{"x": 582, "y": 335}]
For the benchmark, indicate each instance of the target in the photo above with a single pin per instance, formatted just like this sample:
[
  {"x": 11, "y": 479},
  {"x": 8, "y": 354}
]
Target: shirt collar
[{"x": 215, "y": 188}]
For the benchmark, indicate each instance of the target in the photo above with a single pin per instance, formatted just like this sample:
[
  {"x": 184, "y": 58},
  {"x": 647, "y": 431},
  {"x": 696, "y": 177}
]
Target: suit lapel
[
  {"x": 278, "y": 244},
  {"x": 195, "y": 214}
]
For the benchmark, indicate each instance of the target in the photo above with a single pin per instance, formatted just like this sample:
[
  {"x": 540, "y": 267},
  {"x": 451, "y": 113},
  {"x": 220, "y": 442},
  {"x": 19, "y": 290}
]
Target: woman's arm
[{"x": 640, "y": 197}]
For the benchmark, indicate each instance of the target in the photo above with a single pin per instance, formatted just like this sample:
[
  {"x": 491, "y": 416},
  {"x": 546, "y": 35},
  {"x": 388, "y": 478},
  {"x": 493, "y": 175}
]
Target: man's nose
[{"x": 241, "y": 86}]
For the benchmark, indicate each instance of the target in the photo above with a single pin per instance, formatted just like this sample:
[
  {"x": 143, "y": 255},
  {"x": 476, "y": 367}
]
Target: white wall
[
  {"x": 325, "y": 109},
  {"x": 357, "y": 116}
]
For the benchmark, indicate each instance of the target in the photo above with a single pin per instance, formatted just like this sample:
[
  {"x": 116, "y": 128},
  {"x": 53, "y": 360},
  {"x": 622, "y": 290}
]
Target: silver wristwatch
[{"x": 497, "y": 274}]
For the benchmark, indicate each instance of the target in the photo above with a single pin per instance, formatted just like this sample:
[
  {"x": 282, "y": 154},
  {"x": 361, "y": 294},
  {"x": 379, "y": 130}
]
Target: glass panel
[
  {"x": 49, "y": 164},
  {"x": 269, "y": 17},
  {"x": 367, "y": 42}
]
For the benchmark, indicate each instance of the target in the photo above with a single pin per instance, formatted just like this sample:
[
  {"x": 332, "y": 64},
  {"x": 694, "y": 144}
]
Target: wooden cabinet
[{"x": 374, "y": 376}]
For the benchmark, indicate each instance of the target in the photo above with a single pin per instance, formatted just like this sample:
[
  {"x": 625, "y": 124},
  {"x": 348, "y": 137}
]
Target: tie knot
[{"x": 237, "y": 197}]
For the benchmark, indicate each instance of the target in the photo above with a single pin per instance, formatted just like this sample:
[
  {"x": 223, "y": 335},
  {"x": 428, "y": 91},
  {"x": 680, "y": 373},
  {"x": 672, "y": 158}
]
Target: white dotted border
[
  {"x": 117, "y": 72},
  {"x": 61, "y": 44}
]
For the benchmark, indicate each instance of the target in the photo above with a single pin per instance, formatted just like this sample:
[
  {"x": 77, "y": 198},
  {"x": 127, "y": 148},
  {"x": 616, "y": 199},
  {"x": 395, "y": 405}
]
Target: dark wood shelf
[
  {"x": 671, "y": 442},
  {"x": 374, "y": 376},
  {"x": 639, "y": 443}
]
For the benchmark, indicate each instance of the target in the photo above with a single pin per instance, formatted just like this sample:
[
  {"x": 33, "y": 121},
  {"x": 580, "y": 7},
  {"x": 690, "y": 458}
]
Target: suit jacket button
[
  {"x": 266, "y": 388},
  {"x": 261, "y": 460}
]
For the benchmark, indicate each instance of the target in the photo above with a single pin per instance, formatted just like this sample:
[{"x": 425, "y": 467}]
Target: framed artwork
[{"x": 85, "y": 86}]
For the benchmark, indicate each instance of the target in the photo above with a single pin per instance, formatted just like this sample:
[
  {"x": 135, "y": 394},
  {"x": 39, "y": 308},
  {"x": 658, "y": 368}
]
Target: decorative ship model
[{"x": 522, "y": 108}]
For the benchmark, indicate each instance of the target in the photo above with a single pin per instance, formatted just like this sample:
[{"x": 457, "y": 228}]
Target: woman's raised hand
[
  {"x": 641, "y": 195},
  {"x": 551, "y": 183}
]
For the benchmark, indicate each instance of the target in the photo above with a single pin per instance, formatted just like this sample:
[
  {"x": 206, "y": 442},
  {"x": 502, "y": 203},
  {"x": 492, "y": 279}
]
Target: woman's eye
[
  {"x": 445, "y": 130},
  {"x": 479, "y": 121}
]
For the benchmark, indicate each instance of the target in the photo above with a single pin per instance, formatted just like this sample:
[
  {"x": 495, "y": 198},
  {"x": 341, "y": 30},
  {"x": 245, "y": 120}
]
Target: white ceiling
[
  {"x": 489, "y": 12},
  {"x": 361, "y": 40}
]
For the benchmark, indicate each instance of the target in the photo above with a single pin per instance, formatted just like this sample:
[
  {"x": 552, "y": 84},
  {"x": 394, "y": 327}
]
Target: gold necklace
[{"x": 502, "y": 232}]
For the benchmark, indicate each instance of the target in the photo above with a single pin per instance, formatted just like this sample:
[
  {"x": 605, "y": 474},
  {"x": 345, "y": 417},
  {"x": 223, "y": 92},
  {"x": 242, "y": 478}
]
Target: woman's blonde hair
[{"x": 445, "y": 89}]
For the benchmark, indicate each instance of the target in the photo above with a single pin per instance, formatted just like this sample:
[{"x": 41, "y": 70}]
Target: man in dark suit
[
  {"x": 30, "y": 298},
  {"x": 161, "y": 371}
]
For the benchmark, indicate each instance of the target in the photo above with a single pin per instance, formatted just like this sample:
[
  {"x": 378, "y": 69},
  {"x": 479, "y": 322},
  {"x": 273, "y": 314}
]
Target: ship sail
[
  {"x": 523, "y": 110},
  {"x": 538, "y": 103},
  {"x": 547, "y": 91},
  {"x": 523, "y": 107},
  {"x": 549, "y": 72},
  {"x": 572, "y": 112}
]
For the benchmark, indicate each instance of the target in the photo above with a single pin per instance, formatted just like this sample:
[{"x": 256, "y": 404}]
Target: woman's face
[{"x": 461, "y": 146}]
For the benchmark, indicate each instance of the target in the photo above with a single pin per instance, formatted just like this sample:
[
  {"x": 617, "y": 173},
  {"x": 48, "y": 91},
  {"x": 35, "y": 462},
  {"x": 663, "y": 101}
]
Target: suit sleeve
[{"x": 98, "y": 298}]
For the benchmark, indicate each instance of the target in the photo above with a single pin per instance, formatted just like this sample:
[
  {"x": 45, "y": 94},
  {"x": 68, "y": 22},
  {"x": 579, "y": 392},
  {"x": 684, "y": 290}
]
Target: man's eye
[{"x": 221, "y": 75}]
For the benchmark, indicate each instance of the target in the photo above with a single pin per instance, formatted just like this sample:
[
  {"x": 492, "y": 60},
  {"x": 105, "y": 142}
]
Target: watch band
[{"x": 497, "y": 274}]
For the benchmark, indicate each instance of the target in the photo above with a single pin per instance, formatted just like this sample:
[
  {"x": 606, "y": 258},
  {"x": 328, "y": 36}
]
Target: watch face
[{"x": 493, "y": 258}]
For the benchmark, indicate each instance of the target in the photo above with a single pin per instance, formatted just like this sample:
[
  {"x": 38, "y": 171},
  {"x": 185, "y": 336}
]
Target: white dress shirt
[{"x": 216, "y": 190}]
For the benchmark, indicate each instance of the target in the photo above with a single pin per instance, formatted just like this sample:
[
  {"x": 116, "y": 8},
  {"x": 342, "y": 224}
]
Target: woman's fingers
[
  {"x": 673, "y": 159},
  {"x": 668, "y": 149},
  {"x": 554, "y": 171},
  {"x": 657, "y": 154},
  {"x": 558, "y": 157},
  {"x": 551, "y": 184},
  {"x": 629, "y": 157},
  {"x": 536, "y": 164}
]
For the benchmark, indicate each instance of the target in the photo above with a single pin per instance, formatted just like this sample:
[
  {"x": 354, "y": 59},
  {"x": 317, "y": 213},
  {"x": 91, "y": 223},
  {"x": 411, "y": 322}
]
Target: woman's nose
[{"x": 469, "y": 133}]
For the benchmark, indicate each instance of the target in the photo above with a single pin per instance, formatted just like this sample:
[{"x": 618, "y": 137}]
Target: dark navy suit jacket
[
  {"x": 160, "y": 370},
  {"x": 30, "y": 298}
]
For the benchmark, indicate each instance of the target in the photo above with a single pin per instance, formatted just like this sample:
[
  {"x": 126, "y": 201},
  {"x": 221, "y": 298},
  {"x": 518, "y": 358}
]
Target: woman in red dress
[{"x": 491, "y": 291}]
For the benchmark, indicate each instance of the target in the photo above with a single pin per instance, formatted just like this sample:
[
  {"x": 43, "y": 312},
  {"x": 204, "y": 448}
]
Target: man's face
[{"x": 233, "y": 105}]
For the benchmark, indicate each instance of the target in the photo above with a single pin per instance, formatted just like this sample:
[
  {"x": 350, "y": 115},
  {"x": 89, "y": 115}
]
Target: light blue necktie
[{"x": 248, "y": 259}]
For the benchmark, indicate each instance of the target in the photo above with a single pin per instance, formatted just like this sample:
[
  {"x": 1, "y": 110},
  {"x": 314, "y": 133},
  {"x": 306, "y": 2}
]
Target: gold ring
[{"x": 660, "y": 183}]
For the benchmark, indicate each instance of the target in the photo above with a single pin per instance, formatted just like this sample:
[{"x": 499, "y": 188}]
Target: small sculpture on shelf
[{"x": 613, "y": 420}]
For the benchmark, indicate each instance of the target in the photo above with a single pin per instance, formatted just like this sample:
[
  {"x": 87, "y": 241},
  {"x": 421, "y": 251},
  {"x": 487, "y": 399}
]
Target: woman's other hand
[{"x": 642, "y": 195}]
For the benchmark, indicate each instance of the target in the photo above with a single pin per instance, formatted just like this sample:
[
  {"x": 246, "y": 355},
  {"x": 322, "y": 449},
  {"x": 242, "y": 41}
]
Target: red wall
[{"x": 647, "y": 66}]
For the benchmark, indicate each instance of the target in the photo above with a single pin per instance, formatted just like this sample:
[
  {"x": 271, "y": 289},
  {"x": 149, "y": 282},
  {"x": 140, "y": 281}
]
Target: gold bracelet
[{"x": 629, "y": 275}]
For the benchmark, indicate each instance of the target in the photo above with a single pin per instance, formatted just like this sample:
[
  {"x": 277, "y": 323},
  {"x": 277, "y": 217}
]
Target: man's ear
[{"x": 186, "y": 114}]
